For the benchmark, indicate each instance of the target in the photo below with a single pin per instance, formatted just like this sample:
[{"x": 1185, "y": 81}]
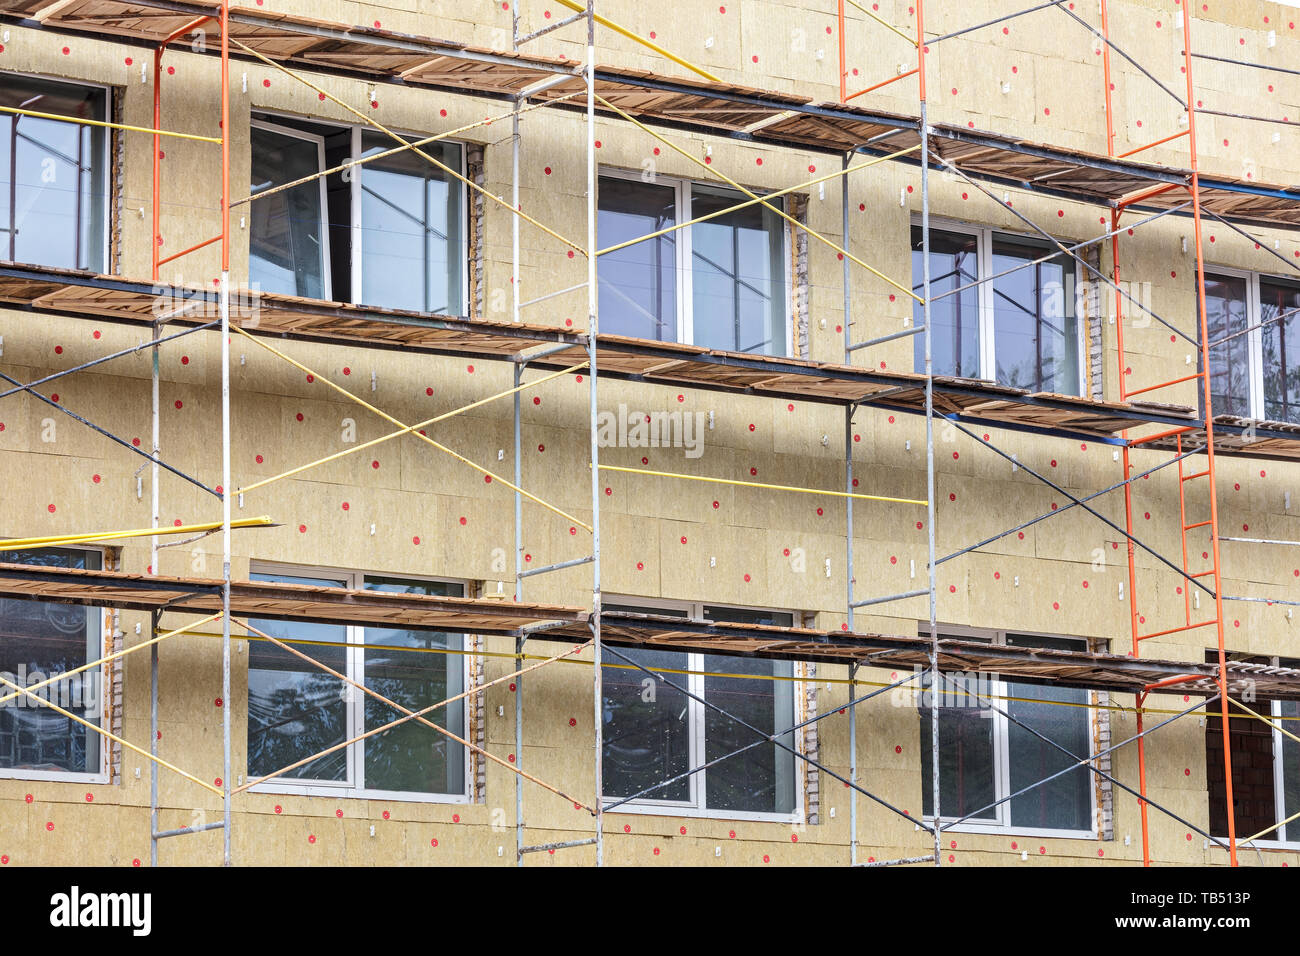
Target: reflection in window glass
[
  {"x": 287, "y": 246},
  {"x": 737, "y": 275},
  {"x": 53, "y": 175},
  {"x": 296, "y": 710},
  {"x": 954, "y": 318},
  {"x": 409, "y": 670},
  {"x": 638, "y": 284},
  {"x": 1279, "y": 314},
  {"x": 761, "y": 779},
  {"x": 1066, "y": 802},
  {"x": 40, "y": 640},
  {"x": 1226, "y": 315},
  {"x": 652, "y": 729},
  {"x": 1036, "y": 331},
  {"x": 966, "y": 762},
  {"x": 976, "y": 742},
  {"x": 412, "y": 244},
  {"x": 647, "y": 733}
]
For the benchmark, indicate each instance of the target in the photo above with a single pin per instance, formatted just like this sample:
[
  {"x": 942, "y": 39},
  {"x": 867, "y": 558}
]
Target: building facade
[{"x": 352, "y": 225}]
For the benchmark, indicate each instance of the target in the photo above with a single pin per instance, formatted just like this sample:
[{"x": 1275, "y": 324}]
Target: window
[
  {"x": 1265, "y": 764},
  {"x": 53, "y": 175},
  {"x": 1020, "y": 329},
  {"x": 653, "y": 732},
  {"x": 720, "y": 283},
  {"x": 984, "y": 757},
  {"x": 40, "y": 640},
  {"x": 296, "y": 710},
  {"x": 389, "y": 233},
  {"x": 1254, "y": 339}
]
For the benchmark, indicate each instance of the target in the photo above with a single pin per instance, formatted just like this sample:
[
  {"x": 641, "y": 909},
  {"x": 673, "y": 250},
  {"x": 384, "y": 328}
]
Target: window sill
[
  {"x": 55, "y": 776},
  {"x": 343, "y": 792},
  {"x": 699, "y": 813},
  {"x": 1275, "y": 846},
  {"x": 993, "y": 829}
]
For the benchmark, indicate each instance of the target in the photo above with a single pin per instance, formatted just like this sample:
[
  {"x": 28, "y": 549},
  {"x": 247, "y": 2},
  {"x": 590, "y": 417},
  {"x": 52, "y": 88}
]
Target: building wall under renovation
[{"x": 405, "y": 508}]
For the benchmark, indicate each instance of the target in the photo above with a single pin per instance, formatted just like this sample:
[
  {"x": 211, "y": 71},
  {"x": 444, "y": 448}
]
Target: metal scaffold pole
[
  {"x": 848, "y": 498},
  {"x": 520, "y": 642},
  {"x": 929, "y": 431},
  {"x": 153, "y": 742},
  {"x": 598, "y": 690},
  {"x": 225, "y": 429}
]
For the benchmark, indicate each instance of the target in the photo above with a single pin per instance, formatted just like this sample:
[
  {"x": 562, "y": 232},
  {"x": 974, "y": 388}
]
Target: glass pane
[
  {"x": 53, "y": 180},
  {"x": 414, "y": 670},
  {"x": 966, "y": 765},
  {"x": 413, "y": 248},
  {"x": 40, "y": 640},
  {"x": 1066, "y": 802},
  {"x": 761, "y": 779},
  {"x": 954, "y": 333},
  {"x": 1225, "y": 305},
  {"x": 1290, "y": 769},
  {"x": 1036, "y": 332},
  {"x": 638, "y": 284},
  {"x": 1279, "y": 304},
  {"x": 737, "y": 276},
  {"x": 647, "y": 736},
  {"x": 286, "y": 251},
  {"x": 296, "y": 710}
]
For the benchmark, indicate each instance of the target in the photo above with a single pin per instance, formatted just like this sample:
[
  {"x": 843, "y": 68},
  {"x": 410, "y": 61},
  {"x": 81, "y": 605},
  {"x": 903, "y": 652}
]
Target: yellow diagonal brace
[
  {"x": 1276, "y": 826},
  {"x": 114, "y": 656},
  {"x": 751, "y": 202},
  {"x": 370, "y": 121},
  {"x": 413, "y": 715},
  {"x": 761, "y": 484},
  {"x": 405, "y": 429},
  {"x": 355, "y": 163},
  {"x": 122, "y": 126},
  {"x": 884, "y": 23},
  {"x": 1266, "y": 720},
  {"x": 780, "y": 212},
  {"x": 637, "y": 38},
  {"x": 111, "y": 736},
  {"x": 17, "y": 544}
]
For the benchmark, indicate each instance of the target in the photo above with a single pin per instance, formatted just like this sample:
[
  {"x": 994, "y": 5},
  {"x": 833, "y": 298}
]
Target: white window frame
[
  {"x": 354, "y": 175},
  {"x": 105, "y": 708},
  {"x": 682, "y": 201},
  {"x": 984, "y": 236},
  {"x": 327, "y": 279},
  {"x": 695, "y": 684},
  {"x": 355, "y": 639},
  {"x": 1254, "y": 337},
  {"x": 998, "y": 692},
  {"x": 107, "y": 158},
  {"x": 1288, "y": 833}
]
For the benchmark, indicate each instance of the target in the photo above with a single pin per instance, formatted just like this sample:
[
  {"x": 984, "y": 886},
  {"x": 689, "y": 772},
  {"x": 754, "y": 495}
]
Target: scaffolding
[{"x": 656, "y": 105}]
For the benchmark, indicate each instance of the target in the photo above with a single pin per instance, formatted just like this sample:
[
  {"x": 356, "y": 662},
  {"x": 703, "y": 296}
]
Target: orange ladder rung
[
  {"x": 1175, "y": 630},
  {"x": 1151, "y": 388}
]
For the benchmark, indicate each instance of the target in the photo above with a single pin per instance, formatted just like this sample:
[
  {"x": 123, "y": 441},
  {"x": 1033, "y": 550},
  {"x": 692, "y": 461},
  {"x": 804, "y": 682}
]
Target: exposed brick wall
[
  {"x": 475, "y": 173},
  {"x": 1252, "y": 775}
]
